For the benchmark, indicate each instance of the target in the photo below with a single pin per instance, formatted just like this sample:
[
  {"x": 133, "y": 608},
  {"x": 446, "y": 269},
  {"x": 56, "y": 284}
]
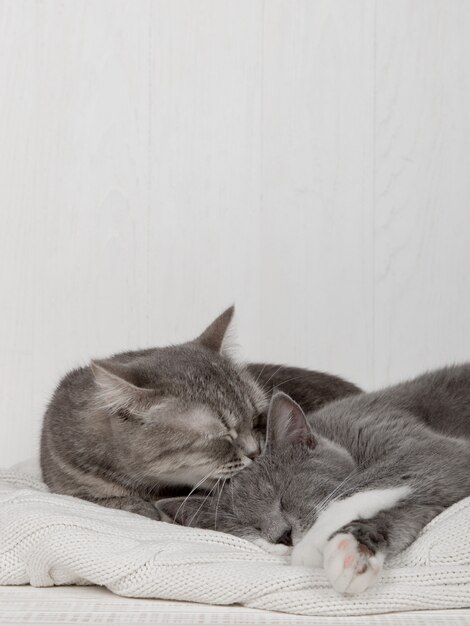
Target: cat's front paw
[
  {"x": 351, "y": 567},
  {"x": 306, "y": 553}
]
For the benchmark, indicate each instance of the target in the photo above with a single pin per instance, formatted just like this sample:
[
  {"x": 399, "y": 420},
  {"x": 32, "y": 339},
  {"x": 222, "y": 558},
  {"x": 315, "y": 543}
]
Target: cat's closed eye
[
  {"x": 259, "y": 420},
  {"x": 231, "y": 435},
  {"x": 124, "y": 414}
]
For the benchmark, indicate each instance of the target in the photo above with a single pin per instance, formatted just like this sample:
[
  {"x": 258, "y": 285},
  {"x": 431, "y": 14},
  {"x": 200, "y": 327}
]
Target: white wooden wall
[{"x": 308, "y": 160}]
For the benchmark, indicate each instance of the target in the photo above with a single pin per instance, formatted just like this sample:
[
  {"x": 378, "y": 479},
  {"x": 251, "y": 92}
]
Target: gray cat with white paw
[{"x": 353, "y": 483}]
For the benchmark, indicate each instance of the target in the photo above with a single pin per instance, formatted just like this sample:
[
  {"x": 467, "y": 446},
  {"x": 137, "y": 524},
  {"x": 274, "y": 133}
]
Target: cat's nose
[
  {"x": 252, "y": 454},
  {"x": 286, "y": 537}
]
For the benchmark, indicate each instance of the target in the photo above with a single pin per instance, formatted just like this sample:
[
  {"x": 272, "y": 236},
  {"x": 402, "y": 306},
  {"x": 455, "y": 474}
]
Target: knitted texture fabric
[{"x": 48, "y": 539}]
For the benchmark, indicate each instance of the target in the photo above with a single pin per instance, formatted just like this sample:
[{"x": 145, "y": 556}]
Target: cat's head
[
  {"x": 276, "y": 499},
  {"x": 184, "y": 413}
]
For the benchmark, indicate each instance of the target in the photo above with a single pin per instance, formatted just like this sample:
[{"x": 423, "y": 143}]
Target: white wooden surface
[{"x": 160, "y": 159}]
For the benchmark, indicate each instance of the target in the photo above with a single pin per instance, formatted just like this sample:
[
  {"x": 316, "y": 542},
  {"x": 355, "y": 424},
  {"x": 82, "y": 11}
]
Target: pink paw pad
[
  {"x": 349, "y": 560},
  {"x": 350, "y": 566}
]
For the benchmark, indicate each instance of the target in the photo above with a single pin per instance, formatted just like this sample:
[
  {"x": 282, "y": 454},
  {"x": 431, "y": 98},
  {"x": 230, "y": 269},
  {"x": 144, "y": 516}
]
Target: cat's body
[
  {"x": 145, "y": 424},
  {"x": 357, "y": 481},
  {"x": 310, "y": 389}
]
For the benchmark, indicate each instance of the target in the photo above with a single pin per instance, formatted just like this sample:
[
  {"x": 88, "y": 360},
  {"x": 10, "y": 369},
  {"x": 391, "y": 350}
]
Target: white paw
[
  {"x": 350, "y": 566},
  {"x": 307, "y": 553}
]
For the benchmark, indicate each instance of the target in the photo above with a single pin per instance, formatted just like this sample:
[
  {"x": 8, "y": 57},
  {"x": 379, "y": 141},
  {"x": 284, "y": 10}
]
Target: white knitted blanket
[{"x": 47, "y": 539}]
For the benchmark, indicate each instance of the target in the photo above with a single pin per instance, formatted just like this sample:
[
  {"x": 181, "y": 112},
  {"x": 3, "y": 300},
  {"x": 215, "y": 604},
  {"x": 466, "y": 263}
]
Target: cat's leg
[
  {"x": 360, "y": 505},
  {"x": 352, "y": 536},
  {"x": 392, "y": 531},
  {"x": 354, "y": 555},
  {"x": 132, "y": 504}
]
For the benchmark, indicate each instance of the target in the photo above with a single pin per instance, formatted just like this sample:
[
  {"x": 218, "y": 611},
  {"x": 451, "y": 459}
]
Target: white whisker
[
  {"x": 260, "y": 372},
  {"x": 233, "y": 503},
  {"x": 288, "y": 380},
  {"x": 217, "y": 505},
  {"x": 273, "y": 374},
  {"x": 203, "y": 502},
  {"x": 326, "y": 501},
  {"x": 191, "y": 492}
]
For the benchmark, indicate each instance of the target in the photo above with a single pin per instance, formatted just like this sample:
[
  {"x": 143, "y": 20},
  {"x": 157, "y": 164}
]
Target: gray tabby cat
[
  {"x": 142, "y": 424},
  {"x": 352, "y": 483}
]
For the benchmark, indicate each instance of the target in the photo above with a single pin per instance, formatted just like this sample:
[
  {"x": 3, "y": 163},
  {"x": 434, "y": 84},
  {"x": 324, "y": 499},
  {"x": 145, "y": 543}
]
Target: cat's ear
[
  {"x": 118, "y": 388},
  {"x": 185, "y": 511},
  {"x": 287, "y": 423},
  {"x": 215, "y": 335}
]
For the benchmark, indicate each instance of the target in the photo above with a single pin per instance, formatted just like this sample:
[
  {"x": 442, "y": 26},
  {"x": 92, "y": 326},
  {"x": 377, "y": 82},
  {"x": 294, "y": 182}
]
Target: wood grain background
[{"x": 308, "y": 160}]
